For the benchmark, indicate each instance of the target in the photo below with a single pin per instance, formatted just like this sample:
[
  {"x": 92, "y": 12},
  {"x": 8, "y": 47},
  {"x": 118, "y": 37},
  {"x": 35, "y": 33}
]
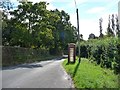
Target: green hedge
[
  {"x": 19, "y": 55},
  {"x": 105, "y": 52}
]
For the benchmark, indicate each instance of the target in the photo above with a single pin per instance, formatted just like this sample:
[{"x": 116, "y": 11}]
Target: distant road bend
[{"x": 46, "y": 74}]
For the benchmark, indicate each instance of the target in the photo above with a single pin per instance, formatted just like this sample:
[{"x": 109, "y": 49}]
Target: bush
[
  {"x": 18, "y": 55},
  {"x": 83, "y": 50},
  {"x": 105, "y": 52},
  {"x": 117, "y": 59}
]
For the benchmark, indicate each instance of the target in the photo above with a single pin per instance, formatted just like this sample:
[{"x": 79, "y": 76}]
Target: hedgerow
[{"x": 105, "y": 52}]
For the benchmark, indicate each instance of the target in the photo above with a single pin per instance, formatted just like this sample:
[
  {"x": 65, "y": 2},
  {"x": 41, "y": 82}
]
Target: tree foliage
[
  {"x": 105, "y": 52},
  {"x": 113, "y": 28},
  {"x": 6, "y": 4},
  {"x": 33, "y": 26},
  {"x": 100, "y": 22}
]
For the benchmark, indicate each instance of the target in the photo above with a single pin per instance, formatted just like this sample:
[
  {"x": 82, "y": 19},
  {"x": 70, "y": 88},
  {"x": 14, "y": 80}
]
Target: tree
[
  {"x": 109, "y": 30},
  {"x": 81, "y": 37},
  {"x": 33, "y": 26},
  {"x": 63, "y": 32},
  {"x": 117, "y": 27},
  {"x": 100, "y": 23},
  {"x": 5, "y": 30},
  {"x": 29, "y": 25},
  {"x": 113, "y": 23},
  {"x": 91, "y": 36},
  {"x": 6, "y": 5}
]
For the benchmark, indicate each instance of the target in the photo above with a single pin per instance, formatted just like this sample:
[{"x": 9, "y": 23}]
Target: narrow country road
[{"x": 46, "y": 74}]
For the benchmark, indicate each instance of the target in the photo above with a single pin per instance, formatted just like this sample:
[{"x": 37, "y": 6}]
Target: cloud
[
  {"x": 96, "y": 10},
  {"x": 34, "y": 1},
  {"x": 109, "y": 7},
  {"x": 86, "y": 26},
  {"x": 99, "y": 1},
  {"x": 71, "y": 4},
  {"x": 105, "y": 20},
  {"x": 119, "y": 12},
  {"x": 73, "y": 19},
  {"x": 15, "y": 2},
  {"x": 51, "y": 7},
  {"x": 89, "y": 26},
  {"x": 68, "y": 1}
]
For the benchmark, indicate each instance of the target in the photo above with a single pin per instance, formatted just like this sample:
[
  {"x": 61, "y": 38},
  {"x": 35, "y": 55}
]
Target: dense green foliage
[
  {"x": 105, "y": 52},
  {"x": 90, "y": 76},
  {"x": 113, "y": 28},
  {"x": 33, "y": 26},
  {"x": 19, "y": 55}
]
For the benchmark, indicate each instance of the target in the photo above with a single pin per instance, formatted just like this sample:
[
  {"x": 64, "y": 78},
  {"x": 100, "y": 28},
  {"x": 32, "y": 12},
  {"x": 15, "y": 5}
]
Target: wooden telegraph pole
[
  {"x": 78, "y": 32},
  {"x": 78, "y": 35}
]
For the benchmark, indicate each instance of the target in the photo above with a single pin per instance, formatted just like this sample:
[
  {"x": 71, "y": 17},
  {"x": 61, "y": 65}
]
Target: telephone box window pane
[{"x": 72, "y": 54}]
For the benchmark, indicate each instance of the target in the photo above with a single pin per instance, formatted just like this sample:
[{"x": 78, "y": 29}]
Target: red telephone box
[{"x": 71, "y": 53}]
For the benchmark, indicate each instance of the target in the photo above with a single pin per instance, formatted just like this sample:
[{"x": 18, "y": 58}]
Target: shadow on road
[
  {"x": 57, "y": 59},
  {"x": 32, "y": 65},
  {"x": 23, "y": 66}
]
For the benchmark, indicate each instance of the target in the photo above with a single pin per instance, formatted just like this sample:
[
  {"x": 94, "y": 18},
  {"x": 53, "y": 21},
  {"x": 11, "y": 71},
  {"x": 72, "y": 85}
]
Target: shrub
[
  {"x": 105, "y": 52},
  {"x": 18, "y": 55}
]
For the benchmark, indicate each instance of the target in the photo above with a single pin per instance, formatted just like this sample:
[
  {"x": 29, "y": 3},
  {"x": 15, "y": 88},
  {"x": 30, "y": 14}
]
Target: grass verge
[{"x": 89, "y": 75}]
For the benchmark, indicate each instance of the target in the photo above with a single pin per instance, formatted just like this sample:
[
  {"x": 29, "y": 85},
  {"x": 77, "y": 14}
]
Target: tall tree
[
  {"x": 109, "y": 30},
  {"x": 30, "y": 21},
  {"x": 117, "y": 27},
  {"x": 100, "y": 23},
  {"x": 6, "y": 5},
  {"x": 113, "y": 23},
  {"x": 64, "y": 32},
  {"x": 91, "y": 36},
  {"x": 32, "y": 25}
]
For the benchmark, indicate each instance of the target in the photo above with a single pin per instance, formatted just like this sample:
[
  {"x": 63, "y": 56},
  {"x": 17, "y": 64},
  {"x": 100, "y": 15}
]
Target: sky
[{"x": 90, "y": 11}]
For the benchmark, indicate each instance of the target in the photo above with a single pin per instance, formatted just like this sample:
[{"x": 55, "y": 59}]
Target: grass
[{"x": 89, "y": 75}]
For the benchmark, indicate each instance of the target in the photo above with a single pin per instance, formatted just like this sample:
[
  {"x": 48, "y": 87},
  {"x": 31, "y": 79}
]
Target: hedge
[
  {"x": 105, "y": 52},
  {"x": 19, "y": 55}
]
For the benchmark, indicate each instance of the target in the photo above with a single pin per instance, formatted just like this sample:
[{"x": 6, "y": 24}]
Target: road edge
[{"x": 68, "y": 76}]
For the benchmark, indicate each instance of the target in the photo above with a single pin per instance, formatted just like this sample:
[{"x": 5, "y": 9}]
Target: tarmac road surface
[{"x": 45, "y": 74}]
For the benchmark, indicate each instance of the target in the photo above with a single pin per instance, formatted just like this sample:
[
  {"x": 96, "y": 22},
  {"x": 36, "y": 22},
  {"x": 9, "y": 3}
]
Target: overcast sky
[{"x": 90, "y": 11}]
